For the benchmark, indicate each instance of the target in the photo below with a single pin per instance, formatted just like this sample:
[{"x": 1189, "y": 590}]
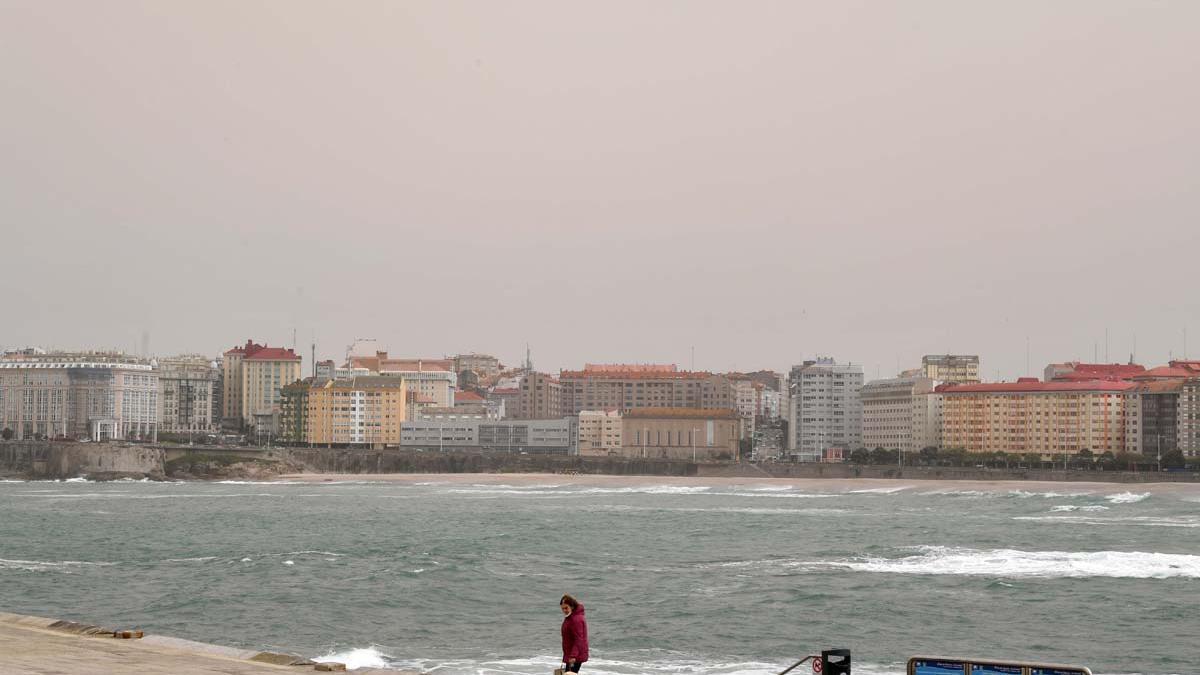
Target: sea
[{"x": 459, "y": 575}]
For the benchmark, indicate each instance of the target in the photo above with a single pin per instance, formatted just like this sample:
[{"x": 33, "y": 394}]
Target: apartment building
[
  {"x": 431, "y": 380},
  {"x": 1152, "y": 417},
  {"x": 951, "y": 368},
  {"x": 253, "y": 377},
  {"x": 624, "y": 387},
  {"x": 483, "y": 365},
  {"x": 86, "y": 395},
  {"x": 1028, "y": 416},
  {"x": 189, "y": 386},
  {"x": 540, "y": 397},
  {"x": 600, "y": 432},
  {"x": 1188, "y": 417},
  {"x": 682, "y": 433},
  {"x": 897, "y": 413},
  {"x": 364, "y": 411},
  {"x": 825, "y": 409}
]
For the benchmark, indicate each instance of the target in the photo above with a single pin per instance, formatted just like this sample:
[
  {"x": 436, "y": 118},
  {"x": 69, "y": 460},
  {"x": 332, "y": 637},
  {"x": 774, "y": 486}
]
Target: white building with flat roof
[
  {"x": 825, "y": 411},
  {"x": 898, "y": 413}
]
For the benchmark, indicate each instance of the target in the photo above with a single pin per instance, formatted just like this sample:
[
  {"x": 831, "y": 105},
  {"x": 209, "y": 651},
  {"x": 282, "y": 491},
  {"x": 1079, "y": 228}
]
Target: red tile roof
[
  {"x": 256, "y": 352},
  {"x": 467, "y": 397},
  {"x": 1032, "y": 386},
  {"x": 1166, "y": 372}
]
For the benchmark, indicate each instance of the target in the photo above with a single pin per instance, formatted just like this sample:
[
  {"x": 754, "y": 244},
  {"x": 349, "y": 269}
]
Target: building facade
[
  {"x": 624, "y": 387},
  {"x": 540, "y": 397},
  {"x": 521, "y": 436},
  {"x": 1152, "y": 417},
  {"x": 189, "y": 389},
  {"x": 432, "y": 380},
  {"x": 682, "y": 433},
  {"x": 600, "y": 432},
  {"x": 896, "y": 413},
  {"x": 1028, "y": 416},
  {"x": 825, "y": 408},
  {"x": 93, "y": 396},
  {"x": 364, "y": 412},
  {"x": 1188, "y": 419},
  {"x": 951, "y": 368}
]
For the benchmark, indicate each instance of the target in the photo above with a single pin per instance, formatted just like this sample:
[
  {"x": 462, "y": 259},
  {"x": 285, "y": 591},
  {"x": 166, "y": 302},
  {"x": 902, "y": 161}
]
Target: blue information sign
[{"x": 931, "y": 667}]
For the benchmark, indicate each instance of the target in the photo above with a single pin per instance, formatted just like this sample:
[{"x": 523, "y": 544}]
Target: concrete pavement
[{"x": 41, "y": 646}]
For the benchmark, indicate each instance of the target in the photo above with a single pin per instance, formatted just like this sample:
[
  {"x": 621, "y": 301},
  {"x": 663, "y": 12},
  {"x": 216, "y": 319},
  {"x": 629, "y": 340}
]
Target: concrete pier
[{"x": 30, "y": 644}]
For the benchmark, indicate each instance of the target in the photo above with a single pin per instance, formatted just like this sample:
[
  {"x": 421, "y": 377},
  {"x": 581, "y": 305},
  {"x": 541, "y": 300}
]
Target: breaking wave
[
  {"x": 1127, "y": 497},
  {"x": 363, "y": 657},
  {"x": 936, "y": 560}
]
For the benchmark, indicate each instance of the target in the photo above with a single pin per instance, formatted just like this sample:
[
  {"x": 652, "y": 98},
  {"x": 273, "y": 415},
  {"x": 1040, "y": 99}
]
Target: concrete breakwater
[{"x": 52, "y": 460}]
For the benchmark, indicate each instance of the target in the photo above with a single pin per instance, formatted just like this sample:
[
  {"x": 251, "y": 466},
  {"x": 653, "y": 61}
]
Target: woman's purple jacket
[{"x": 574, "y": 636}]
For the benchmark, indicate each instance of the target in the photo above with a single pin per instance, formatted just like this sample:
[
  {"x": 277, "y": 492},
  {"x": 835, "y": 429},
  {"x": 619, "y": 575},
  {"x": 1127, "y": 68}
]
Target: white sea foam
[
  {"x": 880, "y": 491},
  {"x": 261, "y": 482},
  {"x": 49, "y": 565},
  {"x": 1010, "y": 563},
  {"x": 1150, "y": 521},
  {"x": 363, "y": 657},
  {"x": 77, "y": 479},
  {"x": 1072, "y": 507},
  {"x": 246, "y": 560},
  {"x": 289, "y": 562},
  {"x": 201, "y": 559},
  {"x": 1127, "y": 497}
]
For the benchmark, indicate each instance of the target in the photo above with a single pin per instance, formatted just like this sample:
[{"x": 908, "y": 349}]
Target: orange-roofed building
[
  {"x": 1028, "y": 416},
  {"x": 254, "y": 376}
]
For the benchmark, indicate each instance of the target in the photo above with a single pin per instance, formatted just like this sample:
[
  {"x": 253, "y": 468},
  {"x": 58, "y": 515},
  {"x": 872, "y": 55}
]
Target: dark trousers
[{"x": 573, "y": 667}]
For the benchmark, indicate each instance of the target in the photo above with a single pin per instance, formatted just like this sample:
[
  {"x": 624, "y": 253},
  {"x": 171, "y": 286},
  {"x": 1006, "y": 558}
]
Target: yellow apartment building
[
  {"x": 362, "y": 411},
  {"x": 1029, "y": 416}
]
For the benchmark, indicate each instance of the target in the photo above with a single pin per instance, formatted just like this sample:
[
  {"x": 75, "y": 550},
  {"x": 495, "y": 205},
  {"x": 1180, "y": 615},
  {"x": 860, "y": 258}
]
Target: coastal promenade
[{"x": 31, "y": 644}]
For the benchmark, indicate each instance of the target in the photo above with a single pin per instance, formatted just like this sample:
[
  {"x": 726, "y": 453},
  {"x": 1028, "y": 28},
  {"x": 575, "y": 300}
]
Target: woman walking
[{"x": 574, "y": 634}]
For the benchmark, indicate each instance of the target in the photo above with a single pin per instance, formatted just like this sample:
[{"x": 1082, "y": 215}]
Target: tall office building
[{"x": 189, "y": 387}]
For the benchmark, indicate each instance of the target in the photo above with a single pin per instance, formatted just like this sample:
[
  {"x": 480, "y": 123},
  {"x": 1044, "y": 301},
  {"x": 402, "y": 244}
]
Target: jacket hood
[{"x": 578, "y": 610}]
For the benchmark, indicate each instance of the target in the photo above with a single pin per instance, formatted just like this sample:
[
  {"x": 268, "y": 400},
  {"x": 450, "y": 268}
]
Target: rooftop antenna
[
  {"x": 1133, "y": 354},
  {"x": 693, "y": 366},
  {"x": 314, "y": 355}
]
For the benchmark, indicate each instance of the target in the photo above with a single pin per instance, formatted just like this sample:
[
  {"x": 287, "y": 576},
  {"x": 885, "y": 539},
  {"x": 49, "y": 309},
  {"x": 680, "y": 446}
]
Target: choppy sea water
[{"x": 459, "y": 578}]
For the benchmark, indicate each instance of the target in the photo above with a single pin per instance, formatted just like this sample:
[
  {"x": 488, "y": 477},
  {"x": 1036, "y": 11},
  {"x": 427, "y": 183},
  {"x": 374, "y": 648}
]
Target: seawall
[
  {"x": 52, "y": 460},
  {"x": 55, "y": 460}
]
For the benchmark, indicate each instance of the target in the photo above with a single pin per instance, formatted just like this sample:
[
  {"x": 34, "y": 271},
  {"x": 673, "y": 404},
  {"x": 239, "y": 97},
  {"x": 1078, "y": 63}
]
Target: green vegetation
[{"x": 1085, "y": 460}]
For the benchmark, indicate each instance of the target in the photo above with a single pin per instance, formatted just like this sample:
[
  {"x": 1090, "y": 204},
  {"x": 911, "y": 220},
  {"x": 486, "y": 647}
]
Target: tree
[
  {"x": 860, "y": 456},
  {"x": 1172, "y": 459},
  {"x": 929, "y": 455},
  {"x": 7, "y": 434}
]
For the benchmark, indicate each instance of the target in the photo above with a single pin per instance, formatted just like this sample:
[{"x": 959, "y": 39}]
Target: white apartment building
[
  {"x": 189, "y": 392},
  {"x": 92, "y": 396},
  {"x": 826, "y": 411},
  {"x": 600, "y": 432},
  {"x": 899, "y": 414}
]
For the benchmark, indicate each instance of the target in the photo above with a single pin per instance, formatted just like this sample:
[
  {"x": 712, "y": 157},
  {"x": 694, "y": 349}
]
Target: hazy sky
[{"x": 608, "y": 181}]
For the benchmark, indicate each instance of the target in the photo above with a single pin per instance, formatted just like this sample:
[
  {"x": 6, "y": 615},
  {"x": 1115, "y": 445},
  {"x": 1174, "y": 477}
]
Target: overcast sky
[{"x": 607, "y": 181}]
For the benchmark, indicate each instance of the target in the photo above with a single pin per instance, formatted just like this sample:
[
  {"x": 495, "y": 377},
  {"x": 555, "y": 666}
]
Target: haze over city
[{"x": 611, "y": 182}]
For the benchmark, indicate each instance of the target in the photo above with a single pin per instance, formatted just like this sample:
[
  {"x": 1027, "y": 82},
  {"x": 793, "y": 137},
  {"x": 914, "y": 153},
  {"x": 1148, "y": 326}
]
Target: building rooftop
[
  {"x": 1030, "y": 385},
  {"x": 256, "y": 352},
  {"x": 633, "y": 375},
  {"x": 684, "y": 413},
  {"x": 467, "y": 397}
]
